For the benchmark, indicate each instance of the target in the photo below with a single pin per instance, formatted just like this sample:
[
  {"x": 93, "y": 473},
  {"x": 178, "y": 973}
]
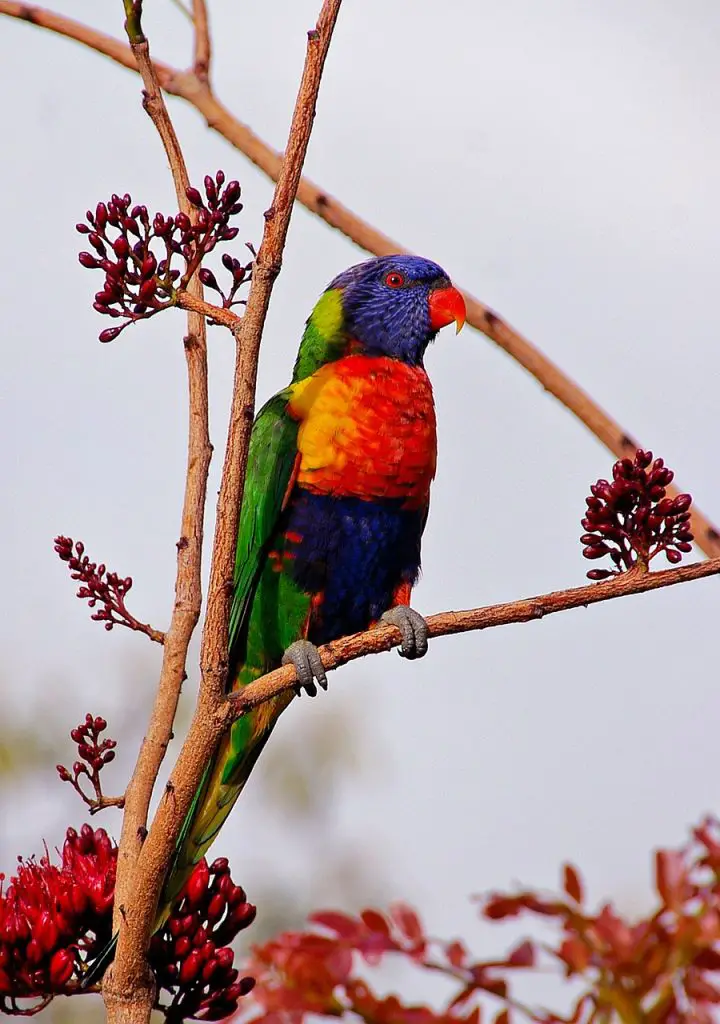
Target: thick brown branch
[
  {"x": 127, "y": 992},
  {"x": 202, "y": 49},
  {"x": 188, "y": 86},
  {"x": 383, "y": 638},
  {"x": 207, "y": 724}
]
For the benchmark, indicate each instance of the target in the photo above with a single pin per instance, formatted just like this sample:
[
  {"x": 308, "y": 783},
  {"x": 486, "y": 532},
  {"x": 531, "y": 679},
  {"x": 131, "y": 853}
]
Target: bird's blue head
[{"x": 395, "y": 305}]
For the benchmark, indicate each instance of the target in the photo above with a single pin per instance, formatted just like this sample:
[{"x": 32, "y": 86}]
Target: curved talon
[
  {"x": 304, "y": 657},
  {"x": 413, "y": 628}
]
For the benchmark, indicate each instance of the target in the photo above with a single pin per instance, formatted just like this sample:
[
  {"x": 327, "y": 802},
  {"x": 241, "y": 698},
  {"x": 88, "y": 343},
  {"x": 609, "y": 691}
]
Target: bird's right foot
[{"x": 305, "y": 659}]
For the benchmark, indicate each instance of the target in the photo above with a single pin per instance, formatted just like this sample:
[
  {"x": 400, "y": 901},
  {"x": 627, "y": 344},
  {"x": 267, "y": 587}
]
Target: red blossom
[
  {"x": 55, "y": 919},
  {"x": 137, "y": 253},
  {"x": 631, "y": 520},
  {"x": 94, "y": 754},
  {"x": 100, "y": 587},
  {"x": 191, "y": 956}
]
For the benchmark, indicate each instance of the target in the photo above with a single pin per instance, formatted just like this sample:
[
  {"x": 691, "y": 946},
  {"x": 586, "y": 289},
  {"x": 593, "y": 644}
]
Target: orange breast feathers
[{"x": 367, "y": 430}]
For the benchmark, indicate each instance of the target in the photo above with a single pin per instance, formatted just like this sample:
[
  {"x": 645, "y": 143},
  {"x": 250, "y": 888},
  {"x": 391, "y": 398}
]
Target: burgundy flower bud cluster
[
  {"x": 191, "y": 956},
  {"x": 137, "y": 253},
  {"x": 632, "y": 520},
  {"x": 98, "y": 586},
  {"x": 94, "y": 754},
  {"x": 53, "y": 919}
]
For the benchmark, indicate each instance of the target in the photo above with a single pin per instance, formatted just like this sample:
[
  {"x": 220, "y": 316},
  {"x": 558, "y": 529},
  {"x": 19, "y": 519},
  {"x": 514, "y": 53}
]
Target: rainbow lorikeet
[{"x": 335, "y": 503}]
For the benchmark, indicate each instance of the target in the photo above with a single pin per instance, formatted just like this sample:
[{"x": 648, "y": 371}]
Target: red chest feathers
[{"x": 367, "y": 430}]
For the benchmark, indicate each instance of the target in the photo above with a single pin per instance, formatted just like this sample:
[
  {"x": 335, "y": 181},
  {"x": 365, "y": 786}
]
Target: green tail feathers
[{"x": 222, "y": 783}]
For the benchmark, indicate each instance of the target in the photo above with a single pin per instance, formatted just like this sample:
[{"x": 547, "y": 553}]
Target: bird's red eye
[{"x": 394, "y": 279}]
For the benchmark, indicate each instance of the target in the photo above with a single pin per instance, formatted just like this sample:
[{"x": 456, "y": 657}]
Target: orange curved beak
[{"x": 446, "y": 306}]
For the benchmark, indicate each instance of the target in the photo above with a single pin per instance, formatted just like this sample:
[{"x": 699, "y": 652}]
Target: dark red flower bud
[
  {"x": 681, "y": 504},
  {"x": 225, "y": 958},
  {"x": 121, "y": 247},
  {"x": 149, "y": 265},
  {"x": 182, "y": 222},
  {"x": 208, "y": 279},
  {"x": 197, "y": 885},
  {"x": 147, "y": 291},
  {"x": 210, "y": 189},
  {"x": 190, "y": 968},
  {"x": 61, "y": 968},
  {"x": 97, "y": 243},
  {"x": 216, "y": 907},
  {"x": 231, "y": 193},
  {"x": 194, "y": 196}
]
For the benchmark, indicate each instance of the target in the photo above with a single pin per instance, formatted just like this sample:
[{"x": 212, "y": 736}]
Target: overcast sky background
[{"x": 562, "y": 161}]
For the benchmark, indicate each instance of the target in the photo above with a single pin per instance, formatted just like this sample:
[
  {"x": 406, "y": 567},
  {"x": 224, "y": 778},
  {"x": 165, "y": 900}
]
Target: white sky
[{"x": 559, "y": 159}]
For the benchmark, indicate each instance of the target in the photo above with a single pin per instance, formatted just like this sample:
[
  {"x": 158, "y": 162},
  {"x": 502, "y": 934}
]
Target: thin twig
[
  {"x": 384, "y": 638},
  {"x": 207, "y": 724},
  {"x": 129, "y": 976},
  {"x": 225, "y": 317},
  {"x": 102, "y": 802},
  {"x": 188, "y": 86},
  {"x": 203, "y": 49}
]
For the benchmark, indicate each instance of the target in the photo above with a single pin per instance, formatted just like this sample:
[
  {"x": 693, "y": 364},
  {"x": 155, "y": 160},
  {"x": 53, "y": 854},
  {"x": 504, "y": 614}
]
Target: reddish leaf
[
  {"x": 334, "y": 921},
  {"x": 575, "y": 954},
  {"x": 407, "y": 921},
  {"x": 498, "y": 907},
  {"x": 613, "y": 930},
  {"x": 671, "y": 877},
  {"x": 523, "y": 955},
  {"x": 375, "y": 922},
  {"x": 572, "y": 883},
  {"x": 456, "y": 954},
  {"x": 503, "y": 1017}
]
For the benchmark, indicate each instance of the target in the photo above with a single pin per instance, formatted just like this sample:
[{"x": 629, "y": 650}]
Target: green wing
[{"x": 273, "y": 449}]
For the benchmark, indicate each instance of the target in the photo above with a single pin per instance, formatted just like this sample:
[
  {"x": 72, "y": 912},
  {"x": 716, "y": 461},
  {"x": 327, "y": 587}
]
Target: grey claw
[
  {"x": 304, "y": 657},
  {"x": 413, "y": 628}
]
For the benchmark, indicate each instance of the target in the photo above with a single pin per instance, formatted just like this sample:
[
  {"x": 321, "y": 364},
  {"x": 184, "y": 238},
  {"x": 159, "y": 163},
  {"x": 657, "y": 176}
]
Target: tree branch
[
  {"x": 384, "y": 638},
  {"x": 129, "y": 989},
  {"x": 190, "y": 87},
  {"x": 225, "y": 317},
  {"x": 210, "y": 715},
  {"x": 203, "y": 49}
]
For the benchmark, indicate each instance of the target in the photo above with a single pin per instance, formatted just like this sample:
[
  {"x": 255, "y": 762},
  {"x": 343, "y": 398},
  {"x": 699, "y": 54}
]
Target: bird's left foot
[
  {"x": 305, "y": 659},
  {"x": 413, "y": 628}
]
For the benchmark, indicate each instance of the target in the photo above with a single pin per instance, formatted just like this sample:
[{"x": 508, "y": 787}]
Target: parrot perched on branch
[{"x": 336, "y": 499}]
